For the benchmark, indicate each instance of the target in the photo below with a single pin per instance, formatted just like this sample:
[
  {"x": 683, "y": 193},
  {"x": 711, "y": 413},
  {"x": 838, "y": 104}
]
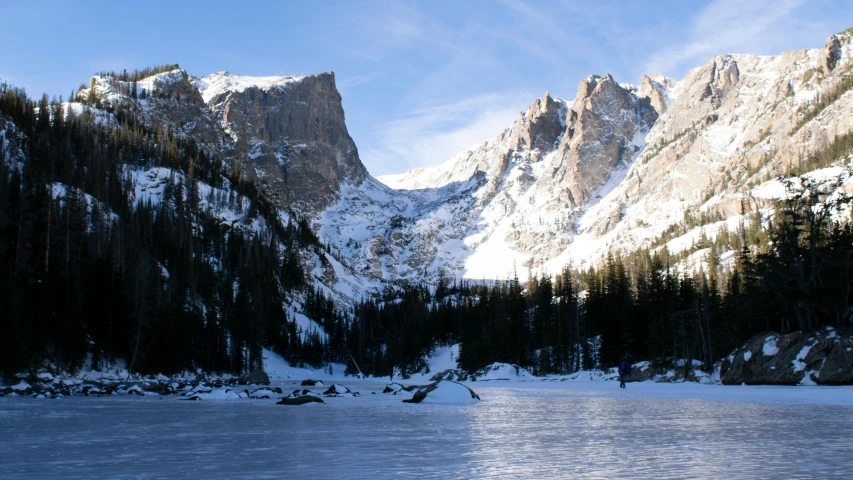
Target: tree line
[
  {"x": 791, "y": 272},
  {"x": 90, "y": 272}
]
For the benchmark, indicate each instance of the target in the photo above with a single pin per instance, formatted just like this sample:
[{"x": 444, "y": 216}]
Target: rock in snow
[
  {"x": 393, "y": 387},
  {"x": 215, "y": 394},
  {"x": 501, "y": 371},
  {"x": 258, "y": 377},
  {"x": 337, "y": 390},
  {"x": 301, "y": 400},
  {"x": 821, "y": 357},
  {"x": 444, "y": 392}
]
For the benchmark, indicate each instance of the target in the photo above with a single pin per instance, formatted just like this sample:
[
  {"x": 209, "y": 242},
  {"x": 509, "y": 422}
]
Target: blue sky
[{"x": 420, "y": 80}]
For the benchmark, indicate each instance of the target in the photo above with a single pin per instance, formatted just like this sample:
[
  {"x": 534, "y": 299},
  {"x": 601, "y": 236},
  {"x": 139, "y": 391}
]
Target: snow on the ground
[
  {"x": 149, "y": 186},
  {"x": 60, "y": 192},
  {"x": 709, "y": 231},
  {"x": 279, "y": 369},
  {"x": 217, "y": 394},
  {"x": 775, "y": 189},
  {"x": 503, "y": 371},
  {"x": 442, "y": 358}
]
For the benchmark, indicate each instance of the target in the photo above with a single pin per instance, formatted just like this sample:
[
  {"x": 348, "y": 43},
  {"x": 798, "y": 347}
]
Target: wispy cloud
[
  {"x": 356, "y": 80},
  {"x": 459, "y": 102},
  {"x": 728, "y": 26},
  {"x": 428, "y": 136}
]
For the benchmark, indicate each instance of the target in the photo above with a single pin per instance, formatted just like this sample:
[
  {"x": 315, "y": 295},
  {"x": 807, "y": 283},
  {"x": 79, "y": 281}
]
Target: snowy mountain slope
[
  {"x": 509, "y": 204},
  {"x": 730, "y": 124},
  {"x": 735, "y": 122},
  {"x": 285, "y": 134}
]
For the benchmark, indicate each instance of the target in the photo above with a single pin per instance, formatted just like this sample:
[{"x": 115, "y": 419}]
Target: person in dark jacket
[{"x": 624, "y": 369}]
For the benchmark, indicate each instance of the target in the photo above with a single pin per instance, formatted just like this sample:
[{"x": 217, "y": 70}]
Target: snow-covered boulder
[
  {"x": 502, "y": 371},
  {"x": 264, "y": 392},
  {"x": 22, "y": 388},
  {"x": 643, "y": 371},
  {"x": 393, "y": 387},
  {"x": 308, "y": 382},
  {"x": 215, "y": 394},
  {"x": 445, "y": 392},
  {"x": 135, "y": 390}
]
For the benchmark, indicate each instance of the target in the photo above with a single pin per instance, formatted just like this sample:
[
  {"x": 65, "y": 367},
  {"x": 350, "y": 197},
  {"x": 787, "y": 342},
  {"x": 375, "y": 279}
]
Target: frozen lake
[{"x": 521, "y": 429}]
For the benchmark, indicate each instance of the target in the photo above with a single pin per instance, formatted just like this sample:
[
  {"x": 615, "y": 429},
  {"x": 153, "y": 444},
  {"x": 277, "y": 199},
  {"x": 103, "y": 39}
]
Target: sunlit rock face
[{"x": 291, "y": 131}]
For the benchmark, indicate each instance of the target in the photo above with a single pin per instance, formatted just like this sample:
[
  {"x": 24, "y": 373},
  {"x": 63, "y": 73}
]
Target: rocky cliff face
[
  {"x": 288, "y": 134},
  {"x": 291, "y": 131}
]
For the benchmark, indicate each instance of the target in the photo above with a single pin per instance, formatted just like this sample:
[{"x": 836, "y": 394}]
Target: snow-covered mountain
[
  {"x": 630, "y": 162},
  {"x": 508, "y": 204},
  {"x": 567, "y": 182}
]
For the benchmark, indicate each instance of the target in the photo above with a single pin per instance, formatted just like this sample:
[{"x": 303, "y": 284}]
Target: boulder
[
  {"x": 337, "y": 390},
  {"x": 778, "y": 356},
  {"x": 449, "y": 374},
  {"x": 135, "y": 390},
  {"x": 263, "y": 393},
  {"x": 837, "y": 369},
  {"x": 743, "y": 362},
  {"x": 258, "y": 377},
  {"x": 444, "y": 392},
  {"x": 311, "y": 383},
  {"x": 302, "y": 400},
  {"x": 393, "y": 387},
  {"x": 644, "y": 371},
  {"x": 823, "y": 356}
]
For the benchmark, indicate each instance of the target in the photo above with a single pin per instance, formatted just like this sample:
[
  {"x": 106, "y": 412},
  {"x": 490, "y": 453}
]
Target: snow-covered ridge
[
  {"x": 218, "y": 83},
  {"x": 107, "y": 88}
]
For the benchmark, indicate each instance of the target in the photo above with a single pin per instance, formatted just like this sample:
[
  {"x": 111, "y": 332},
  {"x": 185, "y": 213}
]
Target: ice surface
[{"x": 519, "y": 430}]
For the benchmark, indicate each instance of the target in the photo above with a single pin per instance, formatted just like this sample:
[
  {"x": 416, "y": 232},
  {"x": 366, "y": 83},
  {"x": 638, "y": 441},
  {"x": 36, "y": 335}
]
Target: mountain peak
[{"x": 219, "y": 83}]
